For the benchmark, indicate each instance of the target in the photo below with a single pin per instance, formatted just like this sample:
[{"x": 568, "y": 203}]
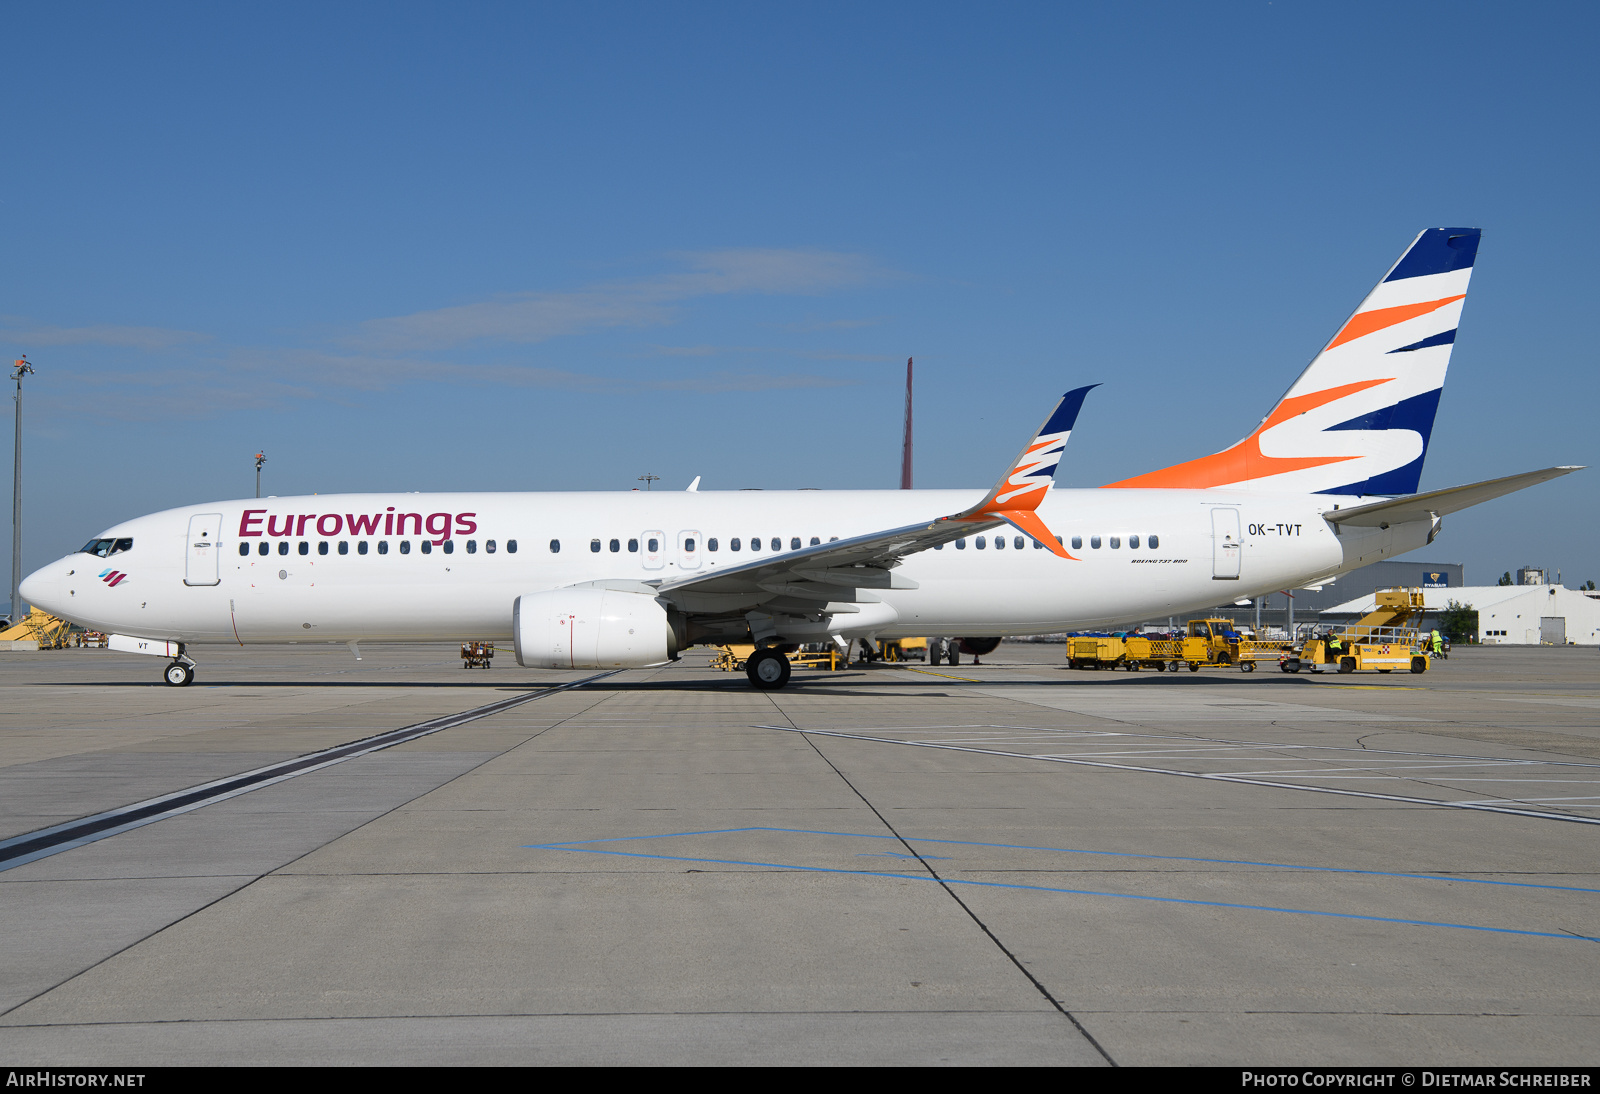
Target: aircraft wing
[
  {"x": 1437, "y": 503},
  {"x": 833, "y": 577}
]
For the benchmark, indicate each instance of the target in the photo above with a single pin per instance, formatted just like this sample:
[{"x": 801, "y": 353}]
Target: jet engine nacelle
[{"x": 586, "y": 627}]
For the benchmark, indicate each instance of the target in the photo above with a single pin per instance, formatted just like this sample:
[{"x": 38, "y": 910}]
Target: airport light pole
[
  {"x": 22, "y": 369},
  {"x": 648, "y": 479},
  {"x": 261, "y": 458}
]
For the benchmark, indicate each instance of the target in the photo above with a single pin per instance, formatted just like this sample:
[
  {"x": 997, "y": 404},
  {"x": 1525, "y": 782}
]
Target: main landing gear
[
  {"x": 179, "y": 674},
  {"x": 768, "y": 669}
]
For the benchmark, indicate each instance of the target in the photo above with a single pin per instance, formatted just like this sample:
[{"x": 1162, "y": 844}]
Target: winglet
[{"x": 1016, "y": 497}]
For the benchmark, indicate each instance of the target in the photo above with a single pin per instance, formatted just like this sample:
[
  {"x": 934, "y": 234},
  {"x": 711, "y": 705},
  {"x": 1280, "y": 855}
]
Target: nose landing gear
[{"x": 180, "y": 674}]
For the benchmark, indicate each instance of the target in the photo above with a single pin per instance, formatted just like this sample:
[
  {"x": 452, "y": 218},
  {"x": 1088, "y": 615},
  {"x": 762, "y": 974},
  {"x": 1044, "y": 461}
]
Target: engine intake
[{"x": 592, "y": 628}]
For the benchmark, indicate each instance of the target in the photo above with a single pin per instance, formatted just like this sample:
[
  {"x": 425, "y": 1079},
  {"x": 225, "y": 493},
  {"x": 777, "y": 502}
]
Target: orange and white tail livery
[{"x": 1358, "y": 419}]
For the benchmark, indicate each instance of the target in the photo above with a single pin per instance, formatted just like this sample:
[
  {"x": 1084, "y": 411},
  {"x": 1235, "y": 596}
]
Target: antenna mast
[
  {"x": 905, "y": 453},
  {"x": 22, "y": 369}
]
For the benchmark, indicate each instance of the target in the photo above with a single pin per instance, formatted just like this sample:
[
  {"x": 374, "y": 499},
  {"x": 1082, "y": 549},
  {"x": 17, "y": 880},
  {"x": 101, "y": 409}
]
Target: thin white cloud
[
  {"x": 787, "y": 351},
  {"x": 536, "y": 317},
  {"x": 184, "y": 377},
  {"x": 813, "y": 325},
  {"x": 145, "y": 338}
]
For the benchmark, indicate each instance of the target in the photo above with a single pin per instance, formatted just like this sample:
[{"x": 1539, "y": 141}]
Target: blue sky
[{"x": 518, "y": 246}]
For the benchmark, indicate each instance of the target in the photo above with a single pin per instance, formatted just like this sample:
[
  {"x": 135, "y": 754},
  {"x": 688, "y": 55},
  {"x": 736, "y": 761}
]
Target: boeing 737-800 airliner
[{"x": 1324, "y": 484}]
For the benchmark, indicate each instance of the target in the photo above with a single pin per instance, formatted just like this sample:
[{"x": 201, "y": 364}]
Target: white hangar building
[{"x": 1512, "y": 615}]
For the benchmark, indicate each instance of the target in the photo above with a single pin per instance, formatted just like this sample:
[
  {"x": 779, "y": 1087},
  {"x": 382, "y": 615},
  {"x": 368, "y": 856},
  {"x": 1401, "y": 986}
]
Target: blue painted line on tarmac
[
  {"x": 572, "y": 844},
  {"x": 1048, "y": 889}
]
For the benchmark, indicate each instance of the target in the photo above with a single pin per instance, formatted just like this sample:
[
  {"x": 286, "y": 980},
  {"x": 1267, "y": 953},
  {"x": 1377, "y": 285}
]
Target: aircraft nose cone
[{"x": 36, "y": 589}]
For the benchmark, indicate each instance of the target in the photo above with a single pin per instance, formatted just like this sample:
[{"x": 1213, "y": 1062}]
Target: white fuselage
[{"x": 316, "y": 582}]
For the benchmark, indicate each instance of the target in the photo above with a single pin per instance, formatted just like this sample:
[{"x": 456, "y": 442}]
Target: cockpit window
[{"x": 100, "y": 548}]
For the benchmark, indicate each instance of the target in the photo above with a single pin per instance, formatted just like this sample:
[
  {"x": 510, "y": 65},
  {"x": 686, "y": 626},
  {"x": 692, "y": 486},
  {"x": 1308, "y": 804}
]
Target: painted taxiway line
[
  {"x": 43, "y": 842},
  {"x": 1238, "y": 780}
]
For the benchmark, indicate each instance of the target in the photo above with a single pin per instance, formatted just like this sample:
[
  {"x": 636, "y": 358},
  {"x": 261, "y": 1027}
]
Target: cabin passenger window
[
  {"x": 938, "y": 546},
  {"x": 1016, "y": 543},
  {"x": 305, "y": 548},
  {"x": 449, "y": 546},
  {"x": 1094, "y": 541},
  {"x": 633, "y": 546},
  {"x": 961, "y": 545},
  {"x": 594, "y": 546},
  {"x": 794, "y": 543},
  {"x": 1155, "y": 541},
  {"x": 616, "y": 545},
  {"x": 511, "y": 546},
  {"x": 322, "y": 547},
  {"x": 244, "y": 548},
  {"x": 979, "y": 543},
  {"x": 815, "y": 541},
  {"x": 361, "y": 548},
  {"x": 733, "y": 544},
  {"x": 1133, "y": 542},
  {"x": 711, "y": 544},
  {"x": 263, "y": 548},
  {"x": 688, "y": 546},
  {"x": 427, "y": 547},
  {"x": 283, "y": 548},
  {"x": 488, "y": 546},
  {"x": 383, "y": 546},
  {"x": 777, "y": 544},
  {"x": 405, "y": 546},
  {"x": 555, "y": 546},
  {"x": 650, "y": 545},
  {"x": 344, "y": 546},
  {"x": 472, "y": 546},
  {"x": 1116, "y": 541},
  {"x": 755, "y": 543},
  {"x": 999, "y": 543}
]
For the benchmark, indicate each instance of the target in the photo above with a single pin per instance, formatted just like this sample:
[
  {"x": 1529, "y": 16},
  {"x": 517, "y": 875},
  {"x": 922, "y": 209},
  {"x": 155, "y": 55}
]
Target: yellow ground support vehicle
[
  {"x": 904, "y": 649},
  {"x": 1134, "y": 652},
  {"x": 1385, "y": 639},
  {"x": 732, "y": 658},
  {"x": 1209, "y": 642},
  {"x": 41, "y": 627}
]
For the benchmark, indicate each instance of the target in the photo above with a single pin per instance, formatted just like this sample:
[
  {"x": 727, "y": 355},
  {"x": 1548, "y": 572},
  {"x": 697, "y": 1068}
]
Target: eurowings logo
[{"x": 113, "y": 578}]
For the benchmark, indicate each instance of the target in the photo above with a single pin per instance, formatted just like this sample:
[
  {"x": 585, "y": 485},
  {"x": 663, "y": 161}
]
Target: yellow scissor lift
[{"x": 1387, "y": 638}]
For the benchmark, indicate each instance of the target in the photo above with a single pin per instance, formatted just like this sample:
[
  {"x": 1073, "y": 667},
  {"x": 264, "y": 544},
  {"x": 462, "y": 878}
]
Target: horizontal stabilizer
[{"x": 1437, "y": 503}]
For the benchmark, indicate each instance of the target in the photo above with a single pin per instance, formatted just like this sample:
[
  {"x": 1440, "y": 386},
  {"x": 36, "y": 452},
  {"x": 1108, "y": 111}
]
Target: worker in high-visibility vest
[{"x": 1438, "y": 643}]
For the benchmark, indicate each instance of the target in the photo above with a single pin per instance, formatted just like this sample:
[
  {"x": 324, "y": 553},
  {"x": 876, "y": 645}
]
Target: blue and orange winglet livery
[
  {"x": 1357, "y": 421},
  {"x": 1015, "y": 498}
]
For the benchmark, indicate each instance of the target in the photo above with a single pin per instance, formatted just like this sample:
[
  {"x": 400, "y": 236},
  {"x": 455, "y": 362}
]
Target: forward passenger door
[{"x": 201, "y": 553}]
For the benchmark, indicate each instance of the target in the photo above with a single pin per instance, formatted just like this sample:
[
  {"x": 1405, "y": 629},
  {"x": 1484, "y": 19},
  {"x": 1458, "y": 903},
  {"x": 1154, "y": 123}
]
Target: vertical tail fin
[{"x": 1358, "y": 419}]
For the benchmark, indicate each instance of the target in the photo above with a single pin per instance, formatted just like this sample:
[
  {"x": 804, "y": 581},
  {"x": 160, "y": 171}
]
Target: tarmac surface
[{"x": 1012, "y": 863}]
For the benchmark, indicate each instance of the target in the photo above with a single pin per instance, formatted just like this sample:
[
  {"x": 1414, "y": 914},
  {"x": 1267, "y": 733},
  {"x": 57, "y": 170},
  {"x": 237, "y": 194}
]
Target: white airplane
[{"x": 600, "y": 580}]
